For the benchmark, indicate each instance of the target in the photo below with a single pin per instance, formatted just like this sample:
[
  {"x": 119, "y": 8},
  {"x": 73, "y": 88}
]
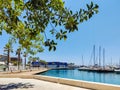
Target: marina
[
  {"x": 99, "y": 70},
  {"x": 109, "y": 78},
  {"x": 99, "y": 65},
  {"x": 59, "y": 44}
]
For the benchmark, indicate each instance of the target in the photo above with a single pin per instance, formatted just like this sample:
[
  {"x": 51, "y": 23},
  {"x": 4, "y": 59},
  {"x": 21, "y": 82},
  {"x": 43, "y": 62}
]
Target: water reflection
[{"x": 111, "y": 78}]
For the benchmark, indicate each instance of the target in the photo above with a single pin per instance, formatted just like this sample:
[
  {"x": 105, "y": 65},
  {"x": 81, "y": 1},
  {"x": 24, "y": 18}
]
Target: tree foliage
[
  {"x": 43, "y": 62},
  {"x": 27, "y": 20}
]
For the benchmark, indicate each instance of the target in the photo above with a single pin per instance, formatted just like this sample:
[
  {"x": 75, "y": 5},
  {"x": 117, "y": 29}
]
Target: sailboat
[
  {"x": 96, "y": 67},
  {"x": 117, "y": 70}
]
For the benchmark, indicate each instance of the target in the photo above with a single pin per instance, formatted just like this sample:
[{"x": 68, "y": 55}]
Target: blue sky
[{"x": 103, "y": 29}]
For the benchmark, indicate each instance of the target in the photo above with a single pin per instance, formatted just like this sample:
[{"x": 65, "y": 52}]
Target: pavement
[
  {"x": 33, "y": 84},
  {"x": 23, "y": 80}
]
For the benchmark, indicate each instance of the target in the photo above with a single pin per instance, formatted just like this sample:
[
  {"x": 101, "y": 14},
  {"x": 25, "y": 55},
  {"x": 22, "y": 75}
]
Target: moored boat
[{"x": 117, "y": 70}]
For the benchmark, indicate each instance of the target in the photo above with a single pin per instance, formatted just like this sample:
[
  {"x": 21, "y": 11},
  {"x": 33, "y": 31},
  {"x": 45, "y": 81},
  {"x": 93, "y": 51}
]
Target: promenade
[
  {"x": 32, "y": 84},
  {"x": 24, "y": 81}
]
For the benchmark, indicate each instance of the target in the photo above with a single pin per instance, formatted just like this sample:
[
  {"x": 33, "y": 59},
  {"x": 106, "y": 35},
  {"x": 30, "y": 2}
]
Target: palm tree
[
  {"x": 43, "y": 62},
  {"x": 25, "y": 55},
  {"x": 29, "y": 62},
  {"x": 18, "y": 52},
  {"x": 8, "y": 49},
  {"x": 32, "y": 59}
]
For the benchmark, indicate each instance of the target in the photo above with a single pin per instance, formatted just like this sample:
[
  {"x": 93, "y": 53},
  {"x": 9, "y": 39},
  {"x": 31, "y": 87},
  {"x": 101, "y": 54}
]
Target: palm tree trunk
[
  {"x": 25, "y": 62},
  {"x": 18, "y": 59},
  {"x": 8, "y": 60}
]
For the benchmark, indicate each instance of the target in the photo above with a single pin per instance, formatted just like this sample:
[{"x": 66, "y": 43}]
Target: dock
[{"x": 99, "y": 70}]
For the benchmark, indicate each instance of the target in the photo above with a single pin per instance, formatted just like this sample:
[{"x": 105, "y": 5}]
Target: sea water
[{"x": 110, "y": 78}]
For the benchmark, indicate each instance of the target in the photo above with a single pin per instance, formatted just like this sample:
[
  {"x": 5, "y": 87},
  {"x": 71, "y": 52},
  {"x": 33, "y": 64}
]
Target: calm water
[{"x": 111, "y": 78}]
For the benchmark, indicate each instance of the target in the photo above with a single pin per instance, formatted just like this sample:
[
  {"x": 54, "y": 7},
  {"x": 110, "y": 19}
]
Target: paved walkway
[
  {"x": 16, "y": 81},
  {"x": 32, "y": 84}
]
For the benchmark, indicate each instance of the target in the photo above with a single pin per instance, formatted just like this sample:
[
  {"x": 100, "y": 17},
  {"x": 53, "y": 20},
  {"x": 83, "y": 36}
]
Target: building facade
[
  {"x": 13, "y": 60},
  {"x": 53, "y": 65}
]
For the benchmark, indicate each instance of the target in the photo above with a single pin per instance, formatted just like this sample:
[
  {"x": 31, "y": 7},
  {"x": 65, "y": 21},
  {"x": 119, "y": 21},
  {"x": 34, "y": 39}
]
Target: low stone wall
[{"x": 79, "y": 83}]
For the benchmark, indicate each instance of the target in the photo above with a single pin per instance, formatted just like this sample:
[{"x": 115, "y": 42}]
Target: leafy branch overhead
[{"x": 27, "y": 20}]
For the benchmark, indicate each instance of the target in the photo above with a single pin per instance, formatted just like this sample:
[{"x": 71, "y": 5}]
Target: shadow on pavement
[{"x": 11, "y": 86}]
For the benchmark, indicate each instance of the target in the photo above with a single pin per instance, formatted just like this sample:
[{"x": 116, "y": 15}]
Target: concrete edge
[{"x": 78, "y": 83}]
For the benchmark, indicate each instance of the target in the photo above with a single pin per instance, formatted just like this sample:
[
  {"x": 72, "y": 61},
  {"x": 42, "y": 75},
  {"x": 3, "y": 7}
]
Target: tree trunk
[
  {"x": 18, "y": 59},
  {"x": 25, "y": 62},
  {"x": 8, "y": 59}
]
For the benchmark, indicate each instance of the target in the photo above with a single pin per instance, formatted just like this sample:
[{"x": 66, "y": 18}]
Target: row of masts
[
  {"x": 98, "y": 67},
  {"x": 94, "y": 56},
  {"x": 100, "y": 61}
]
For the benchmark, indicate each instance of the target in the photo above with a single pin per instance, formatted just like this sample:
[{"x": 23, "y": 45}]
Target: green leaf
[
  {"x": 90, "y": 15},
  {"x": 85, "y": 18},
  {"x": 61, "y": 31},
  {"x": 52, "y": 31},
  {"x": 25, "y": 22},
  {"x": 64, "y": 32},
  {"x": 80, "y": 11},
  {"x": 50, "y": 48},
  {"x": 81, "y": 20},
  {"x": 91, "y": 5},
  {"x": 54, "y": 48},
  {"x": 60, "y": 23},
  {"x": 96, "y": 6},
  {"x": 65, "y": 37},
  {"x": 0, "y": 33},
  {"x": 88, "y": 6},
  {"x": 70, "y": 11},
  {"x": 24, "y": 16},
  {"x": 53, "y": 21}
]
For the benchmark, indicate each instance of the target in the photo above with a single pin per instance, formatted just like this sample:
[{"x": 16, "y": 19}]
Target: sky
[{"x": 103, "y": 29}]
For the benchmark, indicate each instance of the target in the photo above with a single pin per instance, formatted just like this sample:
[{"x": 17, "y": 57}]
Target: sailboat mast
[
  {"x": 82, "y": 61},
  {"x": 103, "y": 57},
  {"x": 99, "y": 55},
  {"x": 94, "y": 54},
  {"x": 119, "y": 63},
  {"x": 111, "y": 61}
]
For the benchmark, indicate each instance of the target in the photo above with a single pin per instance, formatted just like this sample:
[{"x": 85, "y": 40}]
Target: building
[
  {"x": 13, "y": 60},
  {"x": 3, "y": 59},
  {"x": 2, "y": 63},
  {"x": 53, "y": 65}
]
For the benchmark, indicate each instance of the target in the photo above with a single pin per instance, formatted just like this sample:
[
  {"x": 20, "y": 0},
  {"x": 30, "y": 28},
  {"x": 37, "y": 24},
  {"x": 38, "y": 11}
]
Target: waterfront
[
  {"x": 32, "y": 84},
  {"x": 110, "y": 78},
  {"x": 28, "y": 80}
]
